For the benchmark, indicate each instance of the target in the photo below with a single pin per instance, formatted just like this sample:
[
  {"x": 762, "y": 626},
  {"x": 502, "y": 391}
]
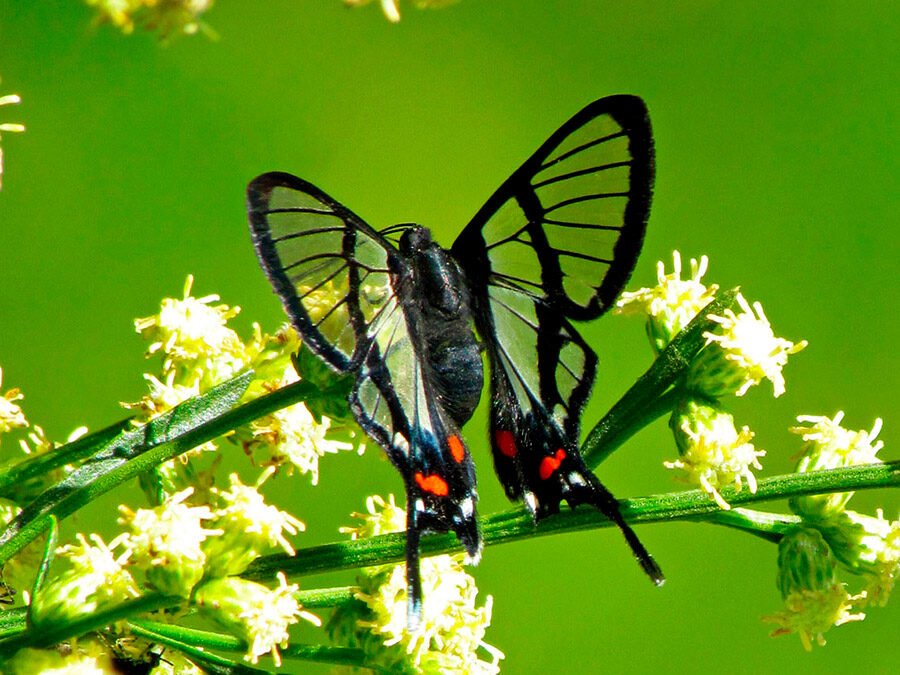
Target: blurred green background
[{"x": 776, "y": 136}]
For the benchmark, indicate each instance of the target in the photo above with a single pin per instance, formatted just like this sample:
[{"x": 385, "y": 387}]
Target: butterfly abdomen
[{"x": 444, "y": 325}]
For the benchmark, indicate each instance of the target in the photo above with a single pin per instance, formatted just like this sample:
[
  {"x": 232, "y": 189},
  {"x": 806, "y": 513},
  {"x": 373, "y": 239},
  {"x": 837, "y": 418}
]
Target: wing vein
[
  {"x": 581, "y": 172},
  {"x": 585, "y": 198},
  {"x": 583, "y": 147}
]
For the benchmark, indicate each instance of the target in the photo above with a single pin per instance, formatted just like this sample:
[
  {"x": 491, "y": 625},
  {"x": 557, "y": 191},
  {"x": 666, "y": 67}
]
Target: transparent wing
[
  {"x": 567, "y": 226},
  {"x": 331, "y": 271},
  {"x": 348, "y": 293}
]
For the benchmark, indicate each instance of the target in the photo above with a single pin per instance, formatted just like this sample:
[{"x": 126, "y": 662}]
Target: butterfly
[{"x": 411, "y": 320}]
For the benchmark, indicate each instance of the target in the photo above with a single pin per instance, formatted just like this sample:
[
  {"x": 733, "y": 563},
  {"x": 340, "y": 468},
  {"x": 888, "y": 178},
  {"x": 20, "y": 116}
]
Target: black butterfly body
[{"x": 555, "y": 243}]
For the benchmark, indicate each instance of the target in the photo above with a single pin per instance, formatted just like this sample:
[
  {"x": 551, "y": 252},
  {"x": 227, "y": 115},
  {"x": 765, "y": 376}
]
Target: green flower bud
[{"x": 805, "y": 562}]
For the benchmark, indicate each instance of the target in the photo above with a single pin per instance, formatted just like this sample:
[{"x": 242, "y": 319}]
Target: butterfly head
[{"x": 415, "y": 240}]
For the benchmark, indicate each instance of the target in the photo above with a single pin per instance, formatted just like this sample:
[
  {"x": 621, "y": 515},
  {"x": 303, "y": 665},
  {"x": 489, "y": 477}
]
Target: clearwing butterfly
[{"x": 555, "y": 243}]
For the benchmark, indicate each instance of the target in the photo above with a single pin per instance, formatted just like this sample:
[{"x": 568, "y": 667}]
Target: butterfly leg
[{"x": 413, "y": 576}]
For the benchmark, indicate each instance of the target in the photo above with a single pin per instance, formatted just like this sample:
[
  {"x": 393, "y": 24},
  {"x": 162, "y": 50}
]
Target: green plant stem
[
  {"x": 651, "y": 396},
  {"x": 517, "y": 524},
  {"x": 186, "y": 426},
  {"x": 326, "y": 597},
  {"x": 508, "y": 526},
  {"x": 179, "y": 637}
]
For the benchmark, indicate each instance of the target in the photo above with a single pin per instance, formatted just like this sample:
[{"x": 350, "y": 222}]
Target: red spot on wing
[
  {"x": 457, "y": 449},
  {"x": 432, "y": 484},
  {"x": 551, "y": 463},
  {"x": 506, "y": 443}
]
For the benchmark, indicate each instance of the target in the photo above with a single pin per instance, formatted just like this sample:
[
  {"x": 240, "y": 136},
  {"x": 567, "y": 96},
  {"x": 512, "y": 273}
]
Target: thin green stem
[
  {"x": 318, "y": 598},
  {"x": 199, "y": 641},
  {"x": 516, "y": 524}
]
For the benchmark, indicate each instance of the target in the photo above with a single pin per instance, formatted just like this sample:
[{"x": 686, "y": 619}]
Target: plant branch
[{"x": 516, "y": 524}]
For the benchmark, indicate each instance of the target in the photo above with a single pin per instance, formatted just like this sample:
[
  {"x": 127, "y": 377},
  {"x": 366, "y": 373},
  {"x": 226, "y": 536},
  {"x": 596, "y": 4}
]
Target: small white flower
[
  {"x": 166, "y": 542},
  {"x": 742, "y": 354},
  {"x": 828, "y": 445},
  {"x": 250, "y": 527},
  {"x": 713, "y": 452},
  {"x": 11, "y": 415},
  {"x": 193, "y": 335},
  {"x": 672, "y": 303},
  {"x": 259, "y": 615},
  {"x": 293, "y": 436}
]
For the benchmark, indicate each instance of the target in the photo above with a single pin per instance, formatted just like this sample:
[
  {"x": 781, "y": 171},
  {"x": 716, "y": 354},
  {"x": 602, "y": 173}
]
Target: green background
[{"x": 776, "y": 136}]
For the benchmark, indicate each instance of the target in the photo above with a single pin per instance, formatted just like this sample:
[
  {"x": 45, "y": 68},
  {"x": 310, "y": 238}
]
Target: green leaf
[{"x": 123, "y": 458}]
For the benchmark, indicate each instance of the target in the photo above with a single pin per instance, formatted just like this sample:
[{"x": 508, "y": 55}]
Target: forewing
[
  {"x": 331, "y": 270},
  {"x": 567, "y": 226},
  {"x": 556, "y": 242}
]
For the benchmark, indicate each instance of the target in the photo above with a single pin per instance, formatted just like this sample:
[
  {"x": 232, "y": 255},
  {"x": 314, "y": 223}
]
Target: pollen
[
  {"x": 457, "y": 449},
  {"x": 506, "y": 443},
  {"x": 432, "y": 484},
  {"x": 551, "y": 463}
]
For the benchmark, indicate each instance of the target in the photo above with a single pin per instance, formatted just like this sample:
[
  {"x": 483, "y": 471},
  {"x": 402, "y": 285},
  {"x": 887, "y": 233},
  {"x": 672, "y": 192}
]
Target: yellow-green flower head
[
  {"x": 270, "y": 359},
  {"x": 168, "y": 16},
  {"x": 814, "y": 599},
  {"x": 381, "y": 517},
  {"x": 95, "y": 580},
  {"x": 828, "y": 445},
  {"x": 867, "y": 545},
  {"x": 11, "y": 415},
  {"x": 257, "y": 614},
  {"x": 450, "y": 638},
  {"x": 672, "y": 303},
  {"x": 713, "y": 452},
  {"x": 165, "y": 542},
  {"x": 87, "y": 657},
  {"x": 8, "y": 99},
  {"x": 743, "y": 352},
  {"x": 250, "y": 527},
  {"x": 193, "y": 335},
  {"x": 292, "y": 436}
]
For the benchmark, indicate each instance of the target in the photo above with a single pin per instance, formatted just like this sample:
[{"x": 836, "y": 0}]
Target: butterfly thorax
[{"x": 437, "y": 293}]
